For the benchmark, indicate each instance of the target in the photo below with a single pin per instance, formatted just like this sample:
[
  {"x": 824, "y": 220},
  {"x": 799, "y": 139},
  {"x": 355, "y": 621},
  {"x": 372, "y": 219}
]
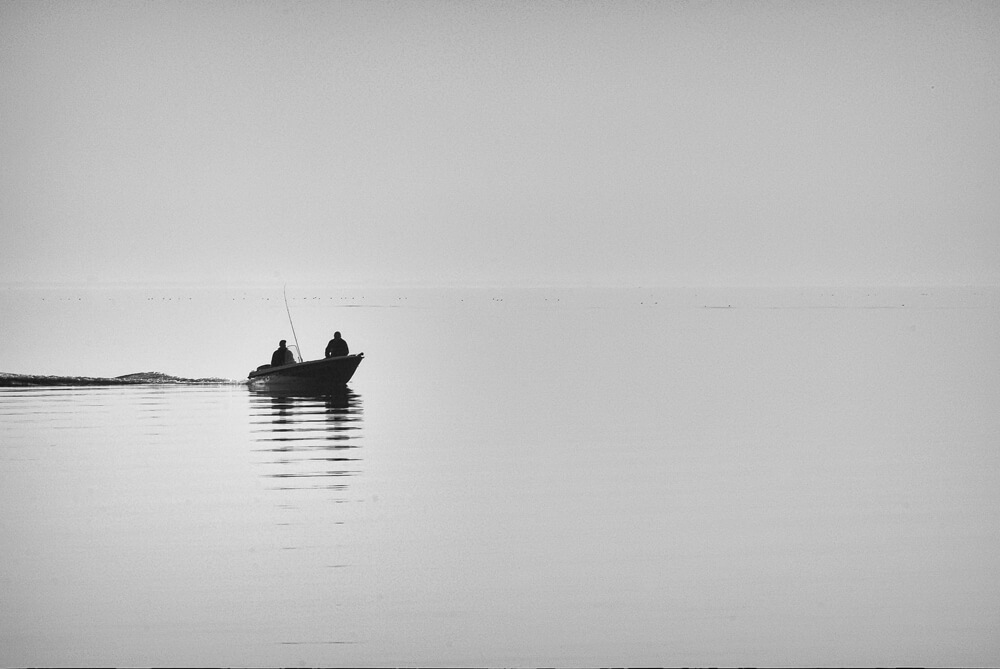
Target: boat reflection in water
[{"x": 314, "y": 438}]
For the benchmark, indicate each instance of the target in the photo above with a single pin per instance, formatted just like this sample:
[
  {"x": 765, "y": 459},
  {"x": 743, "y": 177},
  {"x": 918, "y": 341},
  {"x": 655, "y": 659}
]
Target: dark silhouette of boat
[{"x": 311, "y": 375}]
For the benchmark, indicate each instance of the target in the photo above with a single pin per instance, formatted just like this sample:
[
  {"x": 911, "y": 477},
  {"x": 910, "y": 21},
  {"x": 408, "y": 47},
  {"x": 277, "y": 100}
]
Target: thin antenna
[{"x": 287, "y": 311}]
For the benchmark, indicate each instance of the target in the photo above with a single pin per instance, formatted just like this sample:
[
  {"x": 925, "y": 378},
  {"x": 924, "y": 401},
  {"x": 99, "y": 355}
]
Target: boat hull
[{"x": 312, "y": 375}]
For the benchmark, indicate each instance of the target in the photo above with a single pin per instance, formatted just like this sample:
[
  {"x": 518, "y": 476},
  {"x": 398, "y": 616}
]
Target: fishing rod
[{"x": 298, "y": 348}]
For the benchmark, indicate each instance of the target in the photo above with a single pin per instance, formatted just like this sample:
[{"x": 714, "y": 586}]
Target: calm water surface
[{"x": 529, "y": 478}]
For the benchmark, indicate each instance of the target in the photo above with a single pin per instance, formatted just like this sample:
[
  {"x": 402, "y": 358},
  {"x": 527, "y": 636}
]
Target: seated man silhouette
[
  {"x": 337, "y": 346},
  {"x": 282, "y": 356}
]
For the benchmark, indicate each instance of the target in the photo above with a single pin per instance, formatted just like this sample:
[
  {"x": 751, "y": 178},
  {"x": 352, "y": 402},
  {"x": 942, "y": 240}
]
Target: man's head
[{"x": 281, "y": 344}]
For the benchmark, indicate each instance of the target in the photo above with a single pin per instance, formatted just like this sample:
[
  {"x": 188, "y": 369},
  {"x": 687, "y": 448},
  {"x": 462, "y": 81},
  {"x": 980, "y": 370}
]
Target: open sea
[{"x": 514, "y": 477}]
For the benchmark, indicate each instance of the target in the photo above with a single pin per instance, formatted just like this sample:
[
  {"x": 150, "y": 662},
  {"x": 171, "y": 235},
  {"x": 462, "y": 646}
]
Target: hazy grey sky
[{"x": 634, "y": 143}]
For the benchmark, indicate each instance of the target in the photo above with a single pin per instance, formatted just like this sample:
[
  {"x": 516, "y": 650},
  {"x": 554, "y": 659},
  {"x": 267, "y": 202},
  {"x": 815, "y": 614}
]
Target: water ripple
[{"x": 307, "y": 436}]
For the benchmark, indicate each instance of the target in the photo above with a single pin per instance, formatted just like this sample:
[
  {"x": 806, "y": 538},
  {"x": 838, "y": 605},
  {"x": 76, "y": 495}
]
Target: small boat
[
  {"x": 321, "y": 376},
  {"x": 327, "y": 374}
]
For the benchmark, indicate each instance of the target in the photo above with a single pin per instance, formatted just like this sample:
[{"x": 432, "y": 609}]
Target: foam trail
[{"x": 138, "y": 378}]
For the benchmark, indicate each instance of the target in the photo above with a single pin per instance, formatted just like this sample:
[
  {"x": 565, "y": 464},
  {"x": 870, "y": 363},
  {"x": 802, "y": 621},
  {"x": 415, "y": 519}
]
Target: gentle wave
[{"x": 138, "y": 378}]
